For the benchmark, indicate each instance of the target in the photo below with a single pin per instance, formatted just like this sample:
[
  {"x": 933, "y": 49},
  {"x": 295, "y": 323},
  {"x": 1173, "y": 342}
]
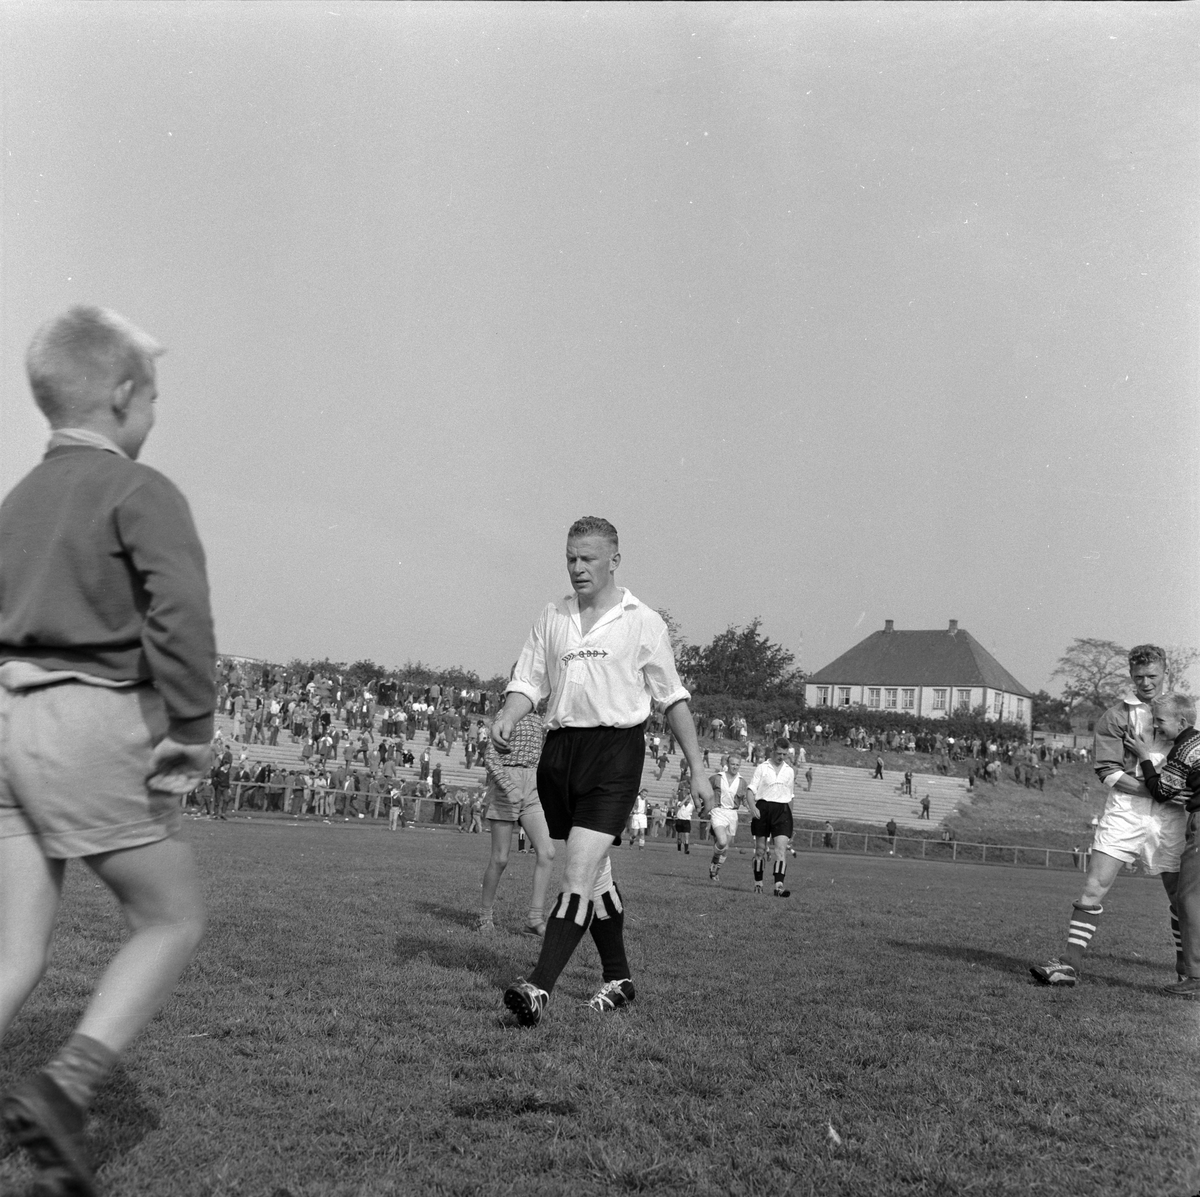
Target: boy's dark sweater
[
  {"x": 1180, "y": 772},
  {"x": 101, "y": 571}
]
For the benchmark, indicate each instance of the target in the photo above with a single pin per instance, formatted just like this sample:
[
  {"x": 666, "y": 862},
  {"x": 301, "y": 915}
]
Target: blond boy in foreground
[{"x": 106, "y": 713}]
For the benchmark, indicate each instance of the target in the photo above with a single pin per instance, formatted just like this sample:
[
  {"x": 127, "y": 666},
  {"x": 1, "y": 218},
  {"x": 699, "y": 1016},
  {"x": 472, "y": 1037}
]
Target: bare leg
[
  {"x": 159, "y": 892},
  {"x": 501, "y": 843},
  {"x": 30, "y": 886},
  {"x": 534, "y": 822}
]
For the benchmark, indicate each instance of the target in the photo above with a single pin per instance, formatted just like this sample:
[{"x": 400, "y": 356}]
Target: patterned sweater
[{"x": 1180, "y": 772}]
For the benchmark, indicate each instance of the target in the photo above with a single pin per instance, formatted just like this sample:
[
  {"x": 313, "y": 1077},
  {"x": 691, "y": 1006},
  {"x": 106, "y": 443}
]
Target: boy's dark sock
[
  {"x": 564, "y": 929},
  {"x": 758, "y": 871},
  {"x": 1084, "y": 922},
  {"x": 81, "y": 1067},
  {"x": 608, "y": 934},
  {"x": 778, "y": 871}
]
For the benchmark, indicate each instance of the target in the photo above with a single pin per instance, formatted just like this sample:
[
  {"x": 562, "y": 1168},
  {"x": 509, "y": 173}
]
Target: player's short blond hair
[
  {"x": 1182, "y": 706},
  {"x": 76, "y": 359},
  {"x": 593, "y": 525}
]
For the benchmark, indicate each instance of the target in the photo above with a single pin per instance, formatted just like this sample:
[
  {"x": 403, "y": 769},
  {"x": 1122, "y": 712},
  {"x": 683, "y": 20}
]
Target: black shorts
[
  {"x": 589, "y": 777},
  {"x": 775, "y": 818},
  {"x": 683, "y": 825}
]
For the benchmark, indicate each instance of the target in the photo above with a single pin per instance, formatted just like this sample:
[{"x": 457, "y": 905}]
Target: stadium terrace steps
[{"x": 840, "y": 792}]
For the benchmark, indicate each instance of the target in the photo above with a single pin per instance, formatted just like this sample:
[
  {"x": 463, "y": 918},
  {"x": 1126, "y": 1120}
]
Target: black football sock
[
  {"x": 80, "y": 1068},
  {"x": 608, "y": 934},
  {"x": 758, "y": 871},
  {"x": 564, "y": 929}
]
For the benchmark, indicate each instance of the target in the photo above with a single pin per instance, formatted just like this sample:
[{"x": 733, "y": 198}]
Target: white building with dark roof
[{"x": 928, "y": 674}]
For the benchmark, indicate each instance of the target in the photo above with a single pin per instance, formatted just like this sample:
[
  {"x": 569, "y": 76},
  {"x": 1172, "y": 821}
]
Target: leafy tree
[
  {"x": 365, "y": 673},
  {"x": 675, "y": 632},
  {"x": 1093, "y": 671},
  {"x": 1179, "y": 661},
  {"x": 743, "y": 663},
  {"x": 1050, "y": 714}
]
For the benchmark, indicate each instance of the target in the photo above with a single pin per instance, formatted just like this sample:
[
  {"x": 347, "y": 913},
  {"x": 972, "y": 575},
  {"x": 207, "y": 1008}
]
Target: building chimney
[
  {"x": 889, "y": 625},
  {"x": 954, "y": 627}
]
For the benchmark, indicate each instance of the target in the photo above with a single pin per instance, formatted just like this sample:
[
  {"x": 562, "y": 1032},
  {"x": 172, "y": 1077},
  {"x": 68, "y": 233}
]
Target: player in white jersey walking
[
  {"x": 729, "y": 793},
  {"x": 600, "y": 657},
  {"x": 771, "y": 791}
]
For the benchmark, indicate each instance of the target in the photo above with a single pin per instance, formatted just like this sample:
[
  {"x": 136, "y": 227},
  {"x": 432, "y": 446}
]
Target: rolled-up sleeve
[
  {"x": 530, "y": 677},
  {"x": 1108, "y": 750},
  {"x": 662, "y": 679}
]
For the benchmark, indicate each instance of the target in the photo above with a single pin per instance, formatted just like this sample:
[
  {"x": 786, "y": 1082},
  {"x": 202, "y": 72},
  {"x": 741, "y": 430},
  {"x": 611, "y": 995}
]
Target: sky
[{"x": 840, "y": 312}]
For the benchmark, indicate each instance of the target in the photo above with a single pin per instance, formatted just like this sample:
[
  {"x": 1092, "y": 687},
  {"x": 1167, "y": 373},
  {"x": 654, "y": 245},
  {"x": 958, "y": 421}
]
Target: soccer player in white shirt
[
  {"x": 600, "y": 657},
  {"x": 729, "y": 792},
  {"x": 637, "y": 821},
  {"x": 771, "y": 791}
]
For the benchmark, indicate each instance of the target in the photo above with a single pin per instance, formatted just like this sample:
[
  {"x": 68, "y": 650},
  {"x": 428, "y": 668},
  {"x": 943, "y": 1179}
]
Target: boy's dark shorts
[
  {"x": 684, "y": 825},
  {"x": 775, "y": 819},
  {"x": 589, "y": 777}
]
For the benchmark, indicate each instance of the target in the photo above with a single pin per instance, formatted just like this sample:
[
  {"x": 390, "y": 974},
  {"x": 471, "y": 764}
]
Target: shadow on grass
[
  {"x": 1000, "y": 963},
  {"x": 449, "y": 914},
  {"x": 120, "y": 1119},
  {"x": 35, "y": 1037},
  {"x": 498, "y": 964}
]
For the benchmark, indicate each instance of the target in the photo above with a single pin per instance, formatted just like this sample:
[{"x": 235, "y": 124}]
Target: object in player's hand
[{"x": 174, "y": 781}]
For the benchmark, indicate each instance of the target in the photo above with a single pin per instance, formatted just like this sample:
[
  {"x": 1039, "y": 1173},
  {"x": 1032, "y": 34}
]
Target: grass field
[{"x": 341, "y": 1032}]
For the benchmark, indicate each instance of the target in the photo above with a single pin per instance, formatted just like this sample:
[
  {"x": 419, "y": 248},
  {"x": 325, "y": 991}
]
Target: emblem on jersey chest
[{"x": 583, "y": 654}]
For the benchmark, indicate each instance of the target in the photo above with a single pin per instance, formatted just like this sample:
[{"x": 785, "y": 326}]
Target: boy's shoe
[
  {"x": 538, "y": 929},
  {"x": 780, "y": 892},
  {"x": 40, "y": 1117},
  {"x": 1189, "y": 987},
  {"x": 1054, "y": 972},
  {"x": 612, "y": 995},
  {"x": 758, "y": 887},
  {"x": 526, "y": 1001},
  {"x": 484, "y": 924}
]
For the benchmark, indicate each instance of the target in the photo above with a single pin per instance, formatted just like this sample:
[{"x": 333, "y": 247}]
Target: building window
[
  {"x": 939, "y": 700},
  {"x": 998, "y": 703},
  {"x": 964, "y": 700},
  {"x": 873, "y": 697},
  {"x": 843, "y": 696},
  {"x": 822, "y": 696},
  {"x": 908, "y": 699},
  {"x": 891, "y": 698},
  {"x": 1020, "y": 708}
]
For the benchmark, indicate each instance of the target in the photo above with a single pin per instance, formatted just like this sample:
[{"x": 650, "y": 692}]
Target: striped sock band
[{"x": 1084, "y": 921}]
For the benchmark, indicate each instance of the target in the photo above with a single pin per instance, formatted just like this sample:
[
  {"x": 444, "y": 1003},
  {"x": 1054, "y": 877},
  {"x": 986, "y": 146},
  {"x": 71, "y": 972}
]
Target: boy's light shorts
[
  {"x": 504, "y": 809},
  {"x": 73, "y": 765},
  {"x": 1133, "y": 827}
]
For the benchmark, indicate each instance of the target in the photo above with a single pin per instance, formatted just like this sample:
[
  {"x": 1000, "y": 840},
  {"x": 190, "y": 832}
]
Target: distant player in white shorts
[
  {"x": 772, "y": 789},
  {"x": 729, "y": 793},
  {"x": 637, "y": 821},
  {"x": 1133, "y": 825}
]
